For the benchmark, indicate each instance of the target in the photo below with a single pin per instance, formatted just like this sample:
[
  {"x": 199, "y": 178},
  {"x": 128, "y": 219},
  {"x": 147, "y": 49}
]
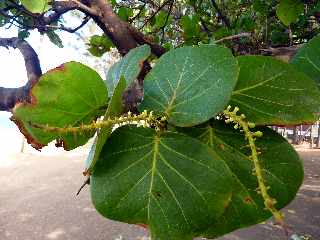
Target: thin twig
[
  {"x": 224, "y": 19},
  {"x": 86, "y": 182},
  {"x": 240, "y": 35},
  {"x": 166, "y": 21},
  {"x": 155, "y": 13}
]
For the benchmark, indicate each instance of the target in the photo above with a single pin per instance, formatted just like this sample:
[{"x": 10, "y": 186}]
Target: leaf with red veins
[{"x": 69, "y": 95}]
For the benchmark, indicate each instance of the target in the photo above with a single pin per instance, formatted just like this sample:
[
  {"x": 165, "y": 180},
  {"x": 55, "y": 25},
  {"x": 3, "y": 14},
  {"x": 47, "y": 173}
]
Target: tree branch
[
  {"x": 10, "y": 96},
  {"x": 224, "y": 19}
]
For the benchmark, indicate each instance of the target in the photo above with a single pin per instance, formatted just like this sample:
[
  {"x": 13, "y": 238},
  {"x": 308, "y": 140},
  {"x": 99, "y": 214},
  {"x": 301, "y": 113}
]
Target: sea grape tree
[{"x": 181, "y": 123}]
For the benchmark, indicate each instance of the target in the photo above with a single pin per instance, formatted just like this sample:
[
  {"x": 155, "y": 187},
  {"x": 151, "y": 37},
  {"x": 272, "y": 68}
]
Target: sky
[{"x": 13, "y": 73}]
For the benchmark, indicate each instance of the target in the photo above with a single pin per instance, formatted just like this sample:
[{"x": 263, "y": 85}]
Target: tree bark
[{"x": 10, "y": 96}]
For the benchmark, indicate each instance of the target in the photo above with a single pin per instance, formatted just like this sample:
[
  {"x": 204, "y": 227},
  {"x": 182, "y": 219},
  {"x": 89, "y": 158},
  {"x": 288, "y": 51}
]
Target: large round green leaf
[
  {"x": 281, "y": 164},
  {"x": 190, "y": 85},
  {"x": 272, "y": 92},
  {"x": 307, "y": 59},
  {"x": 171, "y": 182},
  {"x": 70, "y": 95}
]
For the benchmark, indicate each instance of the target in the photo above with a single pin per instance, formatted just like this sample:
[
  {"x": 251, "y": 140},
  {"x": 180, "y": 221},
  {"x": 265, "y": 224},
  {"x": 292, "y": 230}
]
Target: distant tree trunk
[
  {"x": 22, "y": 144},
  {"x": 318, "y": 139},
  {"x": 295, "y": 135},
  {"x": 311, "y": 137}
]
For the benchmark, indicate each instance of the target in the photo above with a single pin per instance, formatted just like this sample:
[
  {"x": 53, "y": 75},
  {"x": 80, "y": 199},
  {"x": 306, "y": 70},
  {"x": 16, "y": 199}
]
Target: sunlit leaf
[
  {"x": 36, "y": 6},
  {"x": 190, "y": 85}
]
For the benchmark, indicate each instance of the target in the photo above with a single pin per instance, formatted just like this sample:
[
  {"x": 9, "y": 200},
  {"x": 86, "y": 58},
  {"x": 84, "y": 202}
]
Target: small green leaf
[
  {"x": 173, "y": 183},
  {"x": 161, "y": 19},
  {"x": 272, "y": 92},
  {"x": 190, "y": 85},
  {"x": 36, "y": 6},
  {"x": 23, "y": 34},
  {"x": 281, "y": 164},
  {"x": 288, "y": 11},
  {"x": 125, "y": 13},
  {"x": 114, "y": 109},
  {"x": 70, "y": 95},
  {"x": 55, "y": 39},
  {"x": 128, "y": 67},
  {"x": 307, "y": 59},
  {"x": 99, "y": 45},
  {"x": 191, "y": 29}
]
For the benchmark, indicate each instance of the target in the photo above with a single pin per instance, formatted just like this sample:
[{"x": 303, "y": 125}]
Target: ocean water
[{"x": 5, "y": 121}]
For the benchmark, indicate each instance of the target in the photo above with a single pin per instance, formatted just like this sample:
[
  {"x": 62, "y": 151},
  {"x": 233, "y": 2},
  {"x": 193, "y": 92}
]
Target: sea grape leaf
[
  {"x": 288, "y": 11},
  {"x": 282, "y": 169},
  {"x": 307, "y": 59},
  {"x": 190, "y": 85},
  {"x": 69, "y": 95},
  {"x": 171, "y": 182},
  {"x": 115, "y": 108},
  {"x": 36, "y": 6},
  {"x": 129, "y": 67},
  {"x": 272, "y": 92}
]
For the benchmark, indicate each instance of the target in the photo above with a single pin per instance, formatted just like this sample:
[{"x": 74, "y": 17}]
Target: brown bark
[
  {"x": 117, "y": 30},
  {"x": 10, "y": 96}
]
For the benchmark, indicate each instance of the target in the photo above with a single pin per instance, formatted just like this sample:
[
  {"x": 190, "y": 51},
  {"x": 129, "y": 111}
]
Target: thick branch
[
  {"x": 114, "y": 27},
  {"x": 10, "y": 96}
]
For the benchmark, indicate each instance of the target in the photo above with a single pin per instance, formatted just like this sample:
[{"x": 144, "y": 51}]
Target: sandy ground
[{"x": 37, "y": 201}]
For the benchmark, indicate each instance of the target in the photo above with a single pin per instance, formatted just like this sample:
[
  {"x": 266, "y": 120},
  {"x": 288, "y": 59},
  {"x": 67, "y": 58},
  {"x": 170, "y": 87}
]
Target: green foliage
[
  {"x": 36, "y": 6},
  {"x": 128, "y": 67},
  {"x": 186, "y": 80},
  {"x": 307, "y": 59},
  {"x": 271, "y": 92},
  {"x": 186, "y": 173},
  {"x": 125, "y": 13},
  {"x": 191, "y": 29},
  {"x": 55, "y": 39},
  {"x": 288, "y": 11},
  {"x": 70, "y": 95},
  {"x": 99, "y": 45},
  {"x": 23, "y": 34},
  {"x": 180, "y": 178}
]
